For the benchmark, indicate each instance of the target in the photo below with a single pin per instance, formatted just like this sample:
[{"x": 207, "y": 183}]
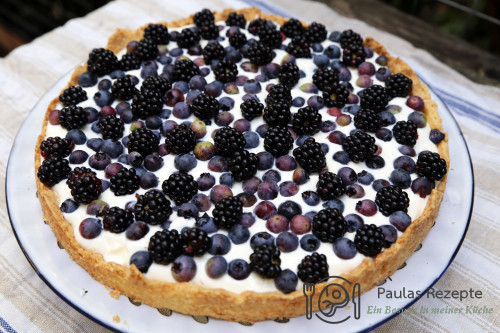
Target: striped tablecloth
[{"x": 28, "y": 305}]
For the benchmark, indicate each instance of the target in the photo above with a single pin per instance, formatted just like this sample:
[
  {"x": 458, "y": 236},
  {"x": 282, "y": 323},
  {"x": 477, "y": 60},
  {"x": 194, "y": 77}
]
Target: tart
[{"x": 215, "y": 167}]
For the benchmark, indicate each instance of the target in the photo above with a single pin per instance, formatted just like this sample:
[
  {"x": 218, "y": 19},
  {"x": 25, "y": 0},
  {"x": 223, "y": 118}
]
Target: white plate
[{"x": 78, "y": 289}]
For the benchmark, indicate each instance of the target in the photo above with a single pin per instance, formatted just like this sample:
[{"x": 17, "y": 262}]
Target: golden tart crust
[{"x": 248, "y": 306}]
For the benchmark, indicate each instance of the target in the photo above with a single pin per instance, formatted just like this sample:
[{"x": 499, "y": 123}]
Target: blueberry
[
  {"x": 286, "y": 282},
  {"x": 404, "y": 162},
  {"x": 216, "y": 267},
  {"x": 173, "y": 96},
  {"x": 226, "y": 103},
  {"x": 286, "y": 163},
  {"x": 384, "y": 134},
  {"x": 345, "y": 75},
  {"x": 342, "y": 157},
  {"x": 149, "y": 180},
  {"x": 382, "y": 74},
  {"x": 153, "y": 122},
  {"x": 112, "y": 148},
  {"x": 267, "y": 190},
  {"x": 175, "y": 52},
  {"x": 309, "y": 243},
  {"x": 401, "y": 178},
  {"x": 332, "y": 52},
  {"x": 380, "y": 183},
  {"x": 224, "y": 118},
  {"x": 78, "y": 157},
  {"x": 239, "y": 269},
  {"x": 104, "y": 84},
  {"x": 277, "y": 223},
  {"x": 206, "y": 223},
  {"x": 69, "y": 206},
  {"x": 220, "y": 192},
  {"x": 123, "y": 158},
  {"x": 334, "y": 203},
  {"x": 185, "y": 162},
  {"x": 214, "y": 89},
  {"x": 348, "y": 175},
  {"x": 234, "y": 56},
  {"x": 265, "y": 209},
  {"x": 104, "y": 185},
  {"x": 261, "y": 238},
  {"x": 239, "y": 234},
  {"x": 298, "y": 102},
  {"x": 262, "y": 130},
  {"x": 220, "y": 244},
  {"x": 252, "y": 87},
  {"x": 226, "y": 179},
  {"x": 327, "y": 126},
  {"x": 183, "y": 268},
  {"x": 355, "y": 191},
  {"x": 365, "y": 178},
  {"x": 336, "y": 137},
  {"x": 415, "y": 102},
  {"x": 181, "y": 110},
  {"x": 316, "y": 102},
  {"x": 167, "y": 126},
  {"x": 103, "y": 97},
  {"x": 99, "y": 161},
  {"x": 142, "y": 260},
  {"x": 265, "y": 160},
  {"x": 354, "y": 222},
  {"x": 204, "y": 71},
  {"x": 375, "y": 162},
  {"x": 78, "y": 137},
  {"x": 153, "y": 162},
  {"x": 117, "y": 74},
  {"x": 137, "y": 230},
  {"x": 311, "y": 198},
  {"x": 202, "y": 202},
  {"x": 252, "y": 139},
  {"x": 400, "y": 220},
  {"x": 87, "y": 79},
  {"x": 188, "y": 210},
  {"x": 344, "y": 248},
  {"x": 418, "y": 118},
  {"x": 422, "y": 186},
  {"x": 92, "y": 114},
  {"x": 301, "y": 139},
  {"x": 407, "y": 150},
  {"x": 181, "y": 86},
  {"x": 352, "y": 109},
  {"x": 436, "y": 136},
  {"x": 272, "y": 175},
  {"x": 381, "y": 60},
  {"x": 390, "y": 234},
  {"x": 289, "y": 209},
  {"x": 366, "y": 207},
  {"x": 165, "y": 113},
  {"x": 135, "y": 159},
  {"x": 334, "y": 36},
  {"x": 206, "y": 181},
  {"x": 321, "y": 60},
  {"x": 97, "y": 207},
  {"x": 288, "y": 189},
  {"x": 90, "y": 228},
  {"x": 242, "y": 125},
  {"x": 218, "y": 164},
  {"x": 287, "y": 241},
  {"x": 164, "y": 59}
]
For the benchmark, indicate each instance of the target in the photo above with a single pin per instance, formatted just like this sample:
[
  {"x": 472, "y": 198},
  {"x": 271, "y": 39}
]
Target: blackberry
[
  {"x": 180, "y": 187},
  {"x": 213, "y": 51},
  {"x": 349, "y": 37},
  {"x": 158, "y": 33},
  {"x": 237, "y": 40},
  {"x": 84, "y": 185},
  {"x": 156, "y": 82},
  {"x": 102, "y": 62},
  {"x": 330, "y": 186},
  {"x": 237, "y": 20},
  {"x": 184, "y": 70},
  {"x": 165, "y": 246},
  {"x": 324, "y": 78},
  {"x": 181, "y": 139},
  {"x": 315, "y": 33},
  {"x": 289, "y": 75},
  {"x": 405, "y": 132},
  {"x": 369, "y": 240},
  {"x": 148, "y": 102},
  {"x": 257, "y": 24},
  {"x": 251, "y": 108},
  {"x": 56, "y": 147},
  {"x": 195, "y": 242},
  {"x": 329, "y": 225},
  {"x": 228, "y": 140},
  {"x": 367, "y": 120},
  {"x": 152, "y": 207},
  {"x": 117, "y": 220},
  {"x": 124, "y": 88},
  {"x": 359, "y": 146},
  {"x": 72, "y": 117},
  {"x": 259, "y": 53},
  {"x": 310, "y": 156},
  {"x": 143, "y": 141},
  {"x": 243, "y": 165},
  {"x": 313, "y": 268},
  {"x": 265, "y": 261},
  {"x": 277, "y": 114},
  {"x": 306, "y": 121},
  {"x": 353, "y": 55},
  {"x": 129, "y": 61},
  {"x": 203, "y": 17},
  {"x": 398, "y": 85},
  {"x": 73, "y": 95},
  {"x": 188, "y": 38},
  {"x": 111, "y": 127},
  {"x": 209, "y": 32},
  {"x": 205, "y": 106},
  {"x": 270, "y": 37},
  {"x": 431, "y": 166},
  {"x": 53, "y": 170},
  {"x": 227, "y": 212},
  {"x": 146, "y": 49},
  {"x": 225, "y": 71},
  {"x": 292, "y": 28},
  {"x": 374, "y": 98},
  {"x": 278, "y": 141},
  {"x": 299, "y": 47},
  {"x": 124, "y": 182},
  {"x": 279, "y": 93},
  {"x": 390, "y": 199}
]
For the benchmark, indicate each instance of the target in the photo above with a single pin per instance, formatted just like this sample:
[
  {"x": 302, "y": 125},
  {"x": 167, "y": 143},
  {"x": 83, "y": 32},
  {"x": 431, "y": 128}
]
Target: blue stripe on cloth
[{"x": 6, "y": 326}]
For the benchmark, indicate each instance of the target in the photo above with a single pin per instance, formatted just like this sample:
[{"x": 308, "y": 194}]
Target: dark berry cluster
[
  {"x": 277, "y": 114},
  {"x": 84, "y": 185},
  {"x": 102, "y": 62},
  {"x": 405, "y": 132},
  {"x": 328, "y": 225},
  {"x": 431, "y": 166},
  {"x": 279, "y": 93},
  {"x": 270, "y": 37},
  {"x": 292, "y": 28},
  {"x": 147, "y": 103},
  {"x": 307, "y": 121},
  {"x": 349, "y": 37},
  {"x": 187, "y": 38},
  {"x": 225, "y": 71},
  {"x": 289, "y": 74},
  {"x": 367, "y": 120},
  {"x": 72, "y": 117},
  {"x": 353, "y": 55},
  {"x": 259, "y": 53},
  {"x": 251, "y": 108},
  {"x": 369, "y": 240},
  {"x": 124, "y": 88},
  {"x": 157, "y": 83},
  {"x": 237, "y": 20},
  {"x": 374, "y": 98},
  {"x": 165, "y": 246},
  {"x": 143, "y": 141},
  {"x": 227, "y": 212},
  {"x": 158, "y": 33},
  {"x": 228, "y": 140},
  {"x": 129, "y": 61},
  {"x": 315, "y": 32},
  {"x": 53, "y": 170},
  {"x": 323, "y": 78},
  {"x": 392, "y": 198},
  {"x": 181, "y": 139},
  {"x": 243, "y": 165},
  {"x": 278, "y": 141},
  {"x": 310, "y": 156},
  {"x": 73, "y": 95},
  {"x": 124, "y": 182},
  {"x": 398, "y": 85},
  {"x": 313, "y": 268},
  {"x": 111, "y": 127},
  {"x": 195, "y": 242},
  {"x": 117, "y": 220},
  {"x": 299, "y": 47},
  {"x": 213, "y": 51},
  {"x": 359, "y": 146},
  {"x": 180, "y": 187},
  {"x": 265, "y": 261},
  {"x": 152, "y": 207},
  {"x": 237, "y": 40},
  {"x": 56, "y": 147},
  {"x": 146, "y": 49},
  {"x": 204, "y": 106},
  {"x": 330, "y": 186},
  {"x": 335, "y": 95},
  {"x": 184, "y": 70}
]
